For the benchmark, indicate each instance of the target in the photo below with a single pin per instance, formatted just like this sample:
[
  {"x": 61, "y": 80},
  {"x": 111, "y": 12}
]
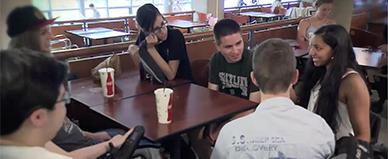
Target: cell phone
[{"x": 130, "y": 144}]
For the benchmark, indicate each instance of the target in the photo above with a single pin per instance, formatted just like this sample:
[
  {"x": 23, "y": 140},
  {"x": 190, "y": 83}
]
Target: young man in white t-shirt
[
  {"x": 278, "y": 128},
  {"x": 32, "y": 103}
]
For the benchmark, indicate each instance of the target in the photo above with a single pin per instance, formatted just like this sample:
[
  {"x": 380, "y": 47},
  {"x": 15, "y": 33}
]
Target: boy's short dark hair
[
  {"x": 30, "y": 80},
  {"x": 225, "y": 27},
  {"x": 274, "y": 65}
]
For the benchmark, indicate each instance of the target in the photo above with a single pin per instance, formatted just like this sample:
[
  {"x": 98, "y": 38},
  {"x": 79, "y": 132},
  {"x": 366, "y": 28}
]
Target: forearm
[
  {"x": 212, "y": 86},
  {"x": 133, "y": 51},
  {"x": 303, "y": 44},
  {"x": 168, "y": 71}
]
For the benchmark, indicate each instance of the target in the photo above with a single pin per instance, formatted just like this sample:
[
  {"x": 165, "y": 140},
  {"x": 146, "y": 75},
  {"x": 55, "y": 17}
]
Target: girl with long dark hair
[
  {"x": 332, "y": 86},
  {"x": 165, "y": 45}
]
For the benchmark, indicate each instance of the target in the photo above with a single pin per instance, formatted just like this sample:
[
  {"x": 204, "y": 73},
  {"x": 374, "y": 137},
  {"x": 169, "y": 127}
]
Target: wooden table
[
  {"x": 369, "y": 58},
  {"x": 193, "y": 106},
  {"x": 134, "y": 104},
  {"x": 382, "y": 21},
  {"x": 186, "y": 24},
  {"x": 97, "y": 34},
  {"x": 377, "y": 26},
  {"x": 265, "y": 16},
  {"x": 89, "y": 92}
]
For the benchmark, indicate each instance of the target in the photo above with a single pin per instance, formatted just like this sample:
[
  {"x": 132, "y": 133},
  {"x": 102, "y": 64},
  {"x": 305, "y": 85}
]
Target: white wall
[
  {"x": 216, "y": 7},
  {"x": 342, "y": 12},
  {"x": 200, "y": 6},
  {"x": 5, "y": 7}
]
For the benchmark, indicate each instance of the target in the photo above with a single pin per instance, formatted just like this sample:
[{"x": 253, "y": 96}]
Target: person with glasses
[
  {"x": 28, "y": 28},
  {"x": 165, "y": 45},
  {"x": 30, "y": 119}
]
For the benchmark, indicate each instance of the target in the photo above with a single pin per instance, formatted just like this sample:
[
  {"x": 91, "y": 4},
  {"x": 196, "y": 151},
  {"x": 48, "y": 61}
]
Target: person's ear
[
  {"x": 217, "y": 45},
  {"x": 38, "y": 117},
  {"x": 295, "y": 77},
  {"x": 253, "y": 78}
]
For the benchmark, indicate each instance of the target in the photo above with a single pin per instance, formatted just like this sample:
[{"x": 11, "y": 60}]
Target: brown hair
[
  {"x": 274, "y": 65},
  {"x": 28, "y": 39},
  {"x": 320, "y": 2}
]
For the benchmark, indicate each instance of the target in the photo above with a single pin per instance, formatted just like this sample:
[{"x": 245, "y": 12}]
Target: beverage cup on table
[
  {"x": 107, "y": 81},
  {"x": 164, "y": 102}
]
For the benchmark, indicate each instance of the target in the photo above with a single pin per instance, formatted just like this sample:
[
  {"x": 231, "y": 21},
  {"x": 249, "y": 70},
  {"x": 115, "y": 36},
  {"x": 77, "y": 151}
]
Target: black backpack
[
  {"x": 150, "y": 65},
  {"x": 349, "y": 147}
]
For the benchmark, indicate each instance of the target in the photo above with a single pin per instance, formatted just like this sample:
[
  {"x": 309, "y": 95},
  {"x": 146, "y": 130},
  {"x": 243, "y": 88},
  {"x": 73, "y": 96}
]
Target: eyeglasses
[
  {"x": 66, "y": 98},
  {"x": 158, "y": 30}
]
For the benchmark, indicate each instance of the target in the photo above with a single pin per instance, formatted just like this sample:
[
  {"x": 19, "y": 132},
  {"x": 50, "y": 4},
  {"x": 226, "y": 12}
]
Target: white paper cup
[
  {"x": 108, "y": 87},
  {"x": 164, "y": 102}
]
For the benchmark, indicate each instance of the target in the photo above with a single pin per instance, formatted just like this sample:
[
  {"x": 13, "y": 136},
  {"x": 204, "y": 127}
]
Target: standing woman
[
  {"x": 166, "y": 46},
  {"x": 309, "y": 25},
  {"x": 332, "y": 86}
]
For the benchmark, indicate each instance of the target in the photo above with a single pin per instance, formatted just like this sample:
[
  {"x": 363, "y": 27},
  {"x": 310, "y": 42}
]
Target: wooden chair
[
  {"x": 359, "y": 20},
  {"x": 375, "y": 124},
  {"x": 62, "y": 28},
  {"x": 364, "y": 38},
  {"x": 200, "y": 71}
]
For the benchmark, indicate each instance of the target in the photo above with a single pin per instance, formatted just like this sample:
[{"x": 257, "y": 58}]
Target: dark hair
[
  {"x": 29, "y": 80},
  {"x": 318, "y": 3},
  {"x": 330, "y": 79},
  {"x": 25, "y": 18},
  {"x": 146, "y": 16},
  {"x": 274, "y": 64},
  {"x": 91, "y": 5},
  {"x": 225, "y": 27}
]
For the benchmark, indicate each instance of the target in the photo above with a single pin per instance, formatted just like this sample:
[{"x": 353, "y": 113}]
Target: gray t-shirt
[
  {"x": 70, "y": 137},
  {"x": 232, "y": 78}
]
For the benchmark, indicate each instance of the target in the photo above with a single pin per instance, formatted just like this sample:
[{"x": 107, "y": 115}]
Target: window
[
  {"x": 236, "y": 3},
  {"x": 79, "y": 9}
]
